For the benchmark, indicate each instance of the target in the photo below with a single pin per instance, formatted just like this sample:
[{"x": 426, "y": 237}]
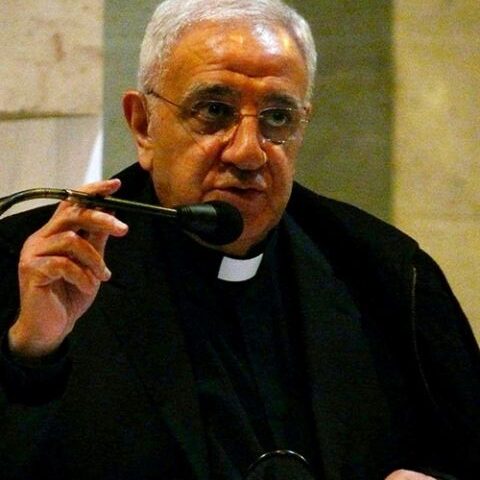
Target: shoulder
[{"x": 343, "y": 228}]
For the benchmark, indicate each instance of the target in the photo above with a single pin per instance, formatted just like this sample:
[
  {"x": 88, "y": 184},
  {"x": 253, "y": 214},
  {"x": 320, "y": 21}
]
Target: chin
[{"x": 252, "y": 235}]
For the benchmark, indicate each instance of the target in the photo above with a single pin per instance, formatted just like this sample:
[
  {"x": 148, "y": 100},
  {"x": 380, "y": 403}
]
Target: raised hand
[{"x": 61, "y": 268}]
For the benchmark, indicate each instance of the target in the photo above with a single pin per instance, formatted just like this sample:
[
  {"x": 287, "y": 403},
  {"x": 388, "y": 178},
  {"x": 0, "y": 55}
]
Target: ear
[{"x": 136, "y": 113}]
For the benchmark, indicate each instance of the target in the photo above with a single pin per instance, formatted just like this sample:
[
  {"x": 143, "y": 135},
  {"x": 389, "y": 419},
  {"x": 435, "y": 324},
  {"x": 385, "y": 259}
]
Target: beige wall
[
  {"x": 50, "y": 93},
  {"x": 437, "y": 137}
]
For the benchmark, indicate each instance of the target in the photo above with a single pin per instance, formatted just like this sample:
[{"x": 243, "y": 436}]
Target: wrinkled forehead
[
  {"x": 251, "y": 50},
  {"x": 272, "y": 36}
]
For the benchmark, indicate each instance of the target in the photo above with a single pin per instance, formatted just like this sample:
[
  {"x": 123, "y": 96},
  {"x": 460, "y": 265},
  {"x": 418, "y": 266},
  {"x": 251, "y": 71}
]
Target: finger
[
  {"x": 78, "y": 218},
  {"x": 73, "y": 246},
  {"x": 102, "y": 188},
  {"x": 98, "y": 241},
  {"x": 51, "y": 269}
]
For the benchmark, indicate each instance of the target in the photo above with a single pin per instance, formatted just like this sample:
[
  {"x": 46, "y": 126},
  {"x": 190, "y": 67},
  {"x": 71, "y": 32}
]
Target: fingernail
[
  {"x": 120, "y": 225},
  {"x": 107, "y": 273}
]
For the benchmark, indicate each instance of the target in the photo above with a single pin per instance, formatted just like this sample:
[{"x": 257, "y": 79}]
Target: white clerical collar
[{"x": 239, "y": 269}]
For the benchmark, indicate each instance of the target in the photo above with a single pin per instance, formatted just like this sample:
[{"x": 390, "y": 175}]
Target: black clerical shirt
[{"x": 243, "y": 341}]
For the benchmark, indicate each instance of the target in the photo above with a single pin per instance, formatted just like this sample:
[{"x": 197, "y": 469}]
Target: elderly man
[{"x": 320, "y": 335}]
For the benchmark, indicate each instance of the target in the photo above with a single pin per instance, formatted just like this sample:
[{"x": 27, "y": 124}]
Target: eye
[
  {"x": 212, "y": 111},
  {"x": 278, "y": 117}
]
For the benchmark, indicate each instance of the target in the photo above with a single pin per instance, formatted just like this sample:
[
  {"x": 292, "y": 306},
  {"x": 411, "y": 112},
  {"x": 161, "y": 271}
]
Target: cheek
[
  {"x": 179, "y": 172},
  {"x": 282, "y": 179}
]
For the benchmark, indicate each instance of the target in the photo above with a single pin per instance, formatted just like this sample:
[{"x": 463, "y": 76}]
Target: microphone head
[{"x": 216, "y": 222}]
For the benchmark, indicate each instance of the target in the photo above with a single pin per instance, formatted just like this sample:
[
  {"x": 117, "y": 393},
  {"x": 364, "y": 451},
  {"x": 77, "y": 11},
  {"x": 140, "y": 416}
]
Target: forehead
[{"x": 259, "y": 59}]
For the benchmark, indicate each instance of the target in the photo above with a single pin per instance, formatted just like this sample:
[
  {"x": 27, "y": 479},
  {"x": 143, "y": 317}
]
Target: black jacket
[{"x": 393, "y": 366}]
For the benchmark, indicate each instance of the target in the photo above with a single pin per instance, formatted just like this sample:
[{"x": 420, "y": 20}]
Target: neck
[
  {"x": 242, "y": 247},
  {"x": 238, "y": 249}
]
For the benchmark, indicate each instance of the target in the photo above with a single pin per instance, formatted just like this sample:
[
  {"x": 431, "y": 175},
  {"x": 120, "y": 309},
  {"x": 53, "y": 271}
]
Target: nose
[{"x": 244, "y": 147}]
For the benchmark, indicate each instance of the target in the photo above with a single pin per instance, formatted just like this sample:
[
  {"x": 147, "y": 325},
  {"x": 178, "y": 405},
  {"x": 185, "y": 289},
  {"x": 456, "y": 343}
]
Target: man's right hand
[{"x": 60, "y": 271}]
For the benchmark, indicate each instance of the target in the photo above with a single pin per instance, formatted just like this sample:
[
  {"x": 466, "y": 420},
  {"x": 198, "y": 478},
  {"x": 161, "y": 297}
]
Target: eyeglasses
[{"x": 210, "y": 117}]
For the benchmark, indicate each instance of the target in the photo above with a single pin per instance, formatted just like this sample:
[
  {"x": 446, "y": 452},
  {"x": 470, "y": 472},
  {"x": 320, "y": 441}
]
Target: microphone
[{"x": 216, "y": 222}]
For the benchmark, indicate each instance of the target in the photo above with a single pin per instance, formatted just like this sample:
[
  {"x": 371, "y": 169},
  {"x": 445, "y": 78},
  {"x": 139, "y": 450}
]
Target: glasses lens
[
  {"x": 279, "y": 124},
  {"x": 280, "y": 465},
  {"x": 209, "y": 117}
]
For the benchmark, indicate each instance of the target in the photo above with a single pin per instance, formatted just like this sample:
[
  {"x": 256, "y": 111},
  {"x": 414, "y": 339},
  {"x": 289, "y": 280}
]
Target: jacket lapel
[
  {"x": 138, "y": 303},
  {"x": 347, "y": 401}
]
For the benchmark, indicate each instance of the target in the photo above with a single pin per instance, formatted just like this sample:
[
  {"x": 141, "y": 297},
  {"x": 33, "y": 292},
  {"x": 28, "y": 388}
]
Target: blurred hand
[
  {"x": 60, "y": 271},
  {"x": 408, "y": 475}
]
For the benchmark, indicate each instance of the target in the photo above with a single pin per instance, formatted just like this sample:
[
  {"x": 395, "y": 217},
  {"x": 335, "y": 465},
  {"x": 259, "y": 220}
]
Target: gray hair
[{"x": 172, "y": 17}]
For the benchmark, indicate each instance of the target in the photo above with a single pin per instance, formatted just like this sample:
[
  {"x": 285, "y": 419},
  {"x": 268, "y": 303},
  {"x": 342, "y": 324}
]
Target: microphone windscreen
[{"x": 216, "y": 222}]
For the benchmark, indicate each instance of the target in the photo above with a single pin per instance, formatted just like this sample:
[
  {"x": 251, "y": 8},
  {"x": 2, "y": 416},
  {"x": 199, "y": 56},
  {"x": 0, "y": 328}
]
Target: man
[{"x": 320, "y": 330}]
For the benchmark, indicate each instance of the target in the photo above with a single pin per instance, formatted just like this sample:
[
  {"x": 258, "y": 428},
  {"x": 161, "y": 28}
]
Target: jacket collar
[
  {"x": 345, "y": 392},
  {"x": 138, "y": 304}
]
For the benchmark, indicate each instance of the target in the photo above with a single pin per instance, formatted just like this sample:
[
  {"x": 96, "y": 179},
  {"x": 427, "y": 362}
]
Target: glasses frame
[{"x": 239, "y": 116}]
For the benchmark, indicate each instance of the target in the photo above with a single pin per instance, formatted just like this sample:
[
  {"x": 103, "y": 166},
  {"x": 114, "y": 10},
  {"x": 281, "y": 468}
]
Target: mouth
[
  {"x": 241, "y": 190},
  {"x": 240, "y": 196}
]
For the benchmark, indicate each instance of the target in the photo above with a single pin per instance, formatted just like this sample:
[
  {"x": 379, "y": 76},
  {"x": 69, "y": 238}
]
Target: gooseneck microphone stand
[{"x": 215, "y": 222}]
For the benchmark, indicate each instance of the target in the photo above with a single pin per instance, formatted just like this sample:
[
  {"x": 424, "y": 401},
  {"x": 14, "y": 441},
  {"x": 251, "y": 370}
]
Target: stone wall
[
  {"x": 50, "y": 93},
  {"x": 437, "y": 137}
]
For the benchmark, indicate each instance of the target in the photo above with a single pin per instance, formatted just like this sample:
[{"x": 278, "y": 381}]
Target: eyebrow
[
  {"x": 282, "y": 99},
  {"x": 211, "y": 90},
  {"x": 215, "y": 90}
]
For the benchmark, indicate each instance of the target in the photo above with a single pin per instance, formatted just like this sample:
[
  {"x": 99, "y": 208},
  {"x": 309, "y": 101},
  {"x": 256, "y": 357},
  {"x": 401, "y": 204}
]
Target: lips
[
  {"x": 241, "y": 189},
  {"x": 254, "y": 185},
  {"x": 244, "y": 197},
  {"x": 246, "y": 189}
]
